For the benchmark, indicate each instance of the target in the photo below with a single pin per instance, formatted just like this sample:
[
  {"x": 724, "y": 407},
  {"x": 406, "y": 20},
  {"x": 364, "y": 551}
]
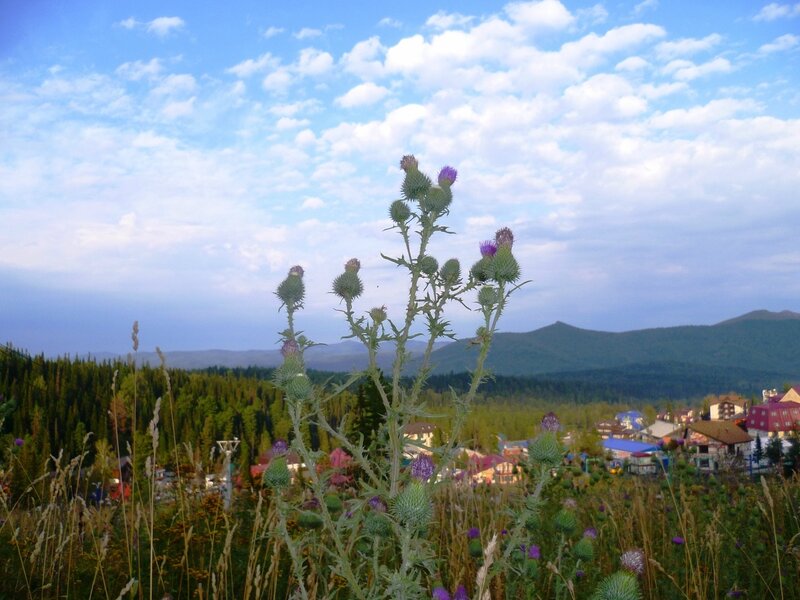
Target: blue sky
[{"x": 167, "y": 162}]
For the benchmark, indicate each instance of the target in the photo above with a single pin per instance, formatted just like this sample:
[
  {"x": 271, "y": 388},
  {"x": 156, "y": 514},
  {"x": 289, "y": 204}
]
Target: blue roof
[{"x": 628, "y": 445}]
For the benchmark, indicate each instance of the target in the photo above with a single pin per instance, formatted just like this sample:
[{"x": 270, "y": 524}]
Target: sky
[{"x": 169, "y": 161}]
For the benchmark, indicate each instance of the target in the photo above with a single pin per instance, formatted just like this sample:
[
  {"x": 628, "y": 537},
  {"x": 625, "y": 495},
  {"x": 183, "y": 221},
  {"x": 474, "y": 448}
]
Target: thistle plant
[{"x": 378, "y": 546}]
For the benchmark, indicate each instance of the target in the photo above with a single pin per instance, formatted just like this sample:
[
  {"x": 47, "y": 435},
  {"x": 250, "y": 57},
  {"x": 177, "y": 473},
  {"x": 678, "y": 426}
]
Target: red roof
[{"x": 774, "y": 416}]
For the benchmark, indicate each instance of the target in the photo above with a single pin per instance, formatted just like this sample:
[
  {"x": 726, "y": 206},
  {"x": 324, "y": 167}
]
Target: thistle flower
[
  {"x": 19, "y": 442},
  {"x": 488, "y": 248},
  {"x": 290, "y": 348},
  {"x": 678, "y": 540},
  {"x": 461, "y": 593},
  {"x": 376, "y": 504},
  {"x": 353, "y": 265},
  {"x": 422, "y": 467},
  {"x": 534, "y": 552},
  {"x": 633, "y": 561},
  {"x": 279, "y": 447},
  {"x": 408, "y": 163},
  {"x": 590, "y": 532},
  {"x": 378, "y": 314},
  {"x": 550, "y": 422},
  {"x": 447, "y": 176},
  {"x": 504, "y": 237},
  {"x": 570, "y": 504},
  {"x": 735, "y": 593},
  {"x": 297, "y": 271},
  {"x": 439, "y": 593},
  {"x": 473, "y": 533}
]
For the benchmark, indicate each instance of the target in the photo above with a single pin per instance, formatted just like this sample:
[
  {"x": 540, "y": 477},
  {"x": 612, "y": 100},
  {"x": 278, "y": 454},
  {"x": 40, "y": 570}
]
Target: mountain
[{"x": 758, "y": 342}]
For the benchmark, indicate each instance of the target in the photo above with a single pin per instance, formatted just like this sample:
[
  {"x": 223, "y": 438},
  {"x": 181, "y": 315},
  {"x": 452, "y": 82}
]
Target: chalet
[
  {"x": 681, "y": 416},
  {"x": 418, "y": 438},
  {"x": 631, "y": 419},
  {"x": 659, "y": 431},
  {"x": 611, "y": 428},
  {"x": 776, "y": 418},
  {"x": 492, "y": 468},
  {"x": 509, "y": 448},
  {"x": 719, "y": 445},
  {"x": 726, "y": 407},
  {"x": 792, "y": 395}
]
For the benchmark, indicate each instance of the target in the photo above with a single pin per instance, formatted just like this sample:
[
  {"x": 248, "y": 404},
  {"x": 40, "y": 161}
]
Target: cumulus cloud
[
  {"x": 645, "y": 6},
  {"x": 686, "y": 46},
  {"x": 182, "y": 108},
  {"x": 138, "y": 70},
  {"x": 251, "y": 66},
  {"x": 541, "y": 15},
  {"x": 686, "y": 70},
  {"x": 632, "y": 63},
  {"x": 307, "y": 33},
  {"x": 389, "y": 22},
  {"x": 774, "y": 11},
  {"x": 445, "y": 20},
  {"x": 163, "y": 26},
  {"x": 779, "y": 44},
  {"x": 365, "y": 59},
  {"x": 312, "y": 202},
  {"x": 313, "y": 62},
  {"x": 362, "y": 95},
  {"x": 272, "y": 31}
]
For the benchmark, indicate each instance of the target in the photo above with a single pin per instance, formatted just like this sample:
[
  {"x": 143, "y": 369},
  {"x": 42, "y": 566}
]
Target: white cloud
[
  {"x": 593, "y": 15},
  {"x": 779, "y": 44},
  {"x": 138, "y": 70},
  {"x": 389, "y": 22},
  {"x": 129, "y": 23},
  {"x": 173, "y": 85},
  {"x": 365, "y": 59},
  {"x": 685, "y": 70},
  {"x": 645, "y": 6},
  {"x": 313, "y": 62},
  {"x": 687, "y": 46},
  {"x": 541, "y": 15},
  {"x": 277, "y": 81},
  {"x": 176, "y": 109},
  {"x": 701, "y": 116},
  {"x": 286, "y": 123},
  {"x": 445, "y": 20},
  {"x": 362, "y": 95},
  {"x": 632, "y": 63},
  {"x": 307, "y": 33},
  {"x": 272, "y": 31},
  {"x": 774, "y": 11},
  {"x": 162, "y": 26},
  {"x": 592, "y": 49},
  {"x": 248, "y": 67},
  {"x": 312, "y": 202}
]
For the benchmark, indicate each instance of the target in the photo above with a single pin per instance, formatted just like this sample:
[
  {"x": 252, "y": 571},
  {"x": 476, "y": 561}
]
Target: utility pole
[{"x": 228, "y": 447}]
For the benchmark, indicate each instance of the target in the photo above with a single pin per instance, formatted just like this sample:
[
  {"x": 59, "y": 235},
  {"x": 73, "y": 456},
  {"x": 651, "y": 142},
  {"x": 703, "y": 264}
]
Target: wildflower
[
  {"x": 19, "y": 442},
  {"x": 570, "y": 503},
  {"x": 378, "y": 314},
  {"x": 678, "y": 540},
  {"x": 735, "y": 593},
  {"x": 534, "y": 552},
  {"x": 488, "y": 248},
  {"x": 590, "y": 532},
  {"x": 633, "y": 561},
  {"x": 297, "y": 271},
  {"x": 447, "y": 176},
  {"x": 580, "y": 574},
  {"x": 352, "y": 265},
  {"x": 279, "y": 448},
  {"x": 408, "y": 163},
  {"x": 602, "y": 508},
  {"x": 504, "y": 237},
  {"x": 290, "y": 348},
  {"x": 461, "y": 593},
  {"x": 473, "y": 533},
  {"x": 422, "y": 467},
  {"x": 376, "y": 504},
  {"x": 439, "y": 593},
  {"x": 550, "y": 422}
]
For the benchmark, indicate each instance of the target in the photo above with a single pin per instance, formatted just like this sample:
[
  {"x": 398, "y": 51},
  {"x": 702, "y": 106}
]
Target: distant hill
[{"x": 758, "y": 344}]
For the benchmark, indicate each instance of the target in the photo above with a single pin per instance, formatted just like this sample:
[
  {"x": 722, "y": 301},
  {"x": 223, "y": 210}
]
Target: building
[
  {"x": 659, "y": 431},
  {"x": 631, "y": 419},
  {"x": 622, "y": 449},
  {"x": 776, "y": 418},
  {"x": 418, "y": 438},
  {"x": 719, "y": 445},
  {"x": 611, "y": 428},
  {"x": 726, "y": 407}
]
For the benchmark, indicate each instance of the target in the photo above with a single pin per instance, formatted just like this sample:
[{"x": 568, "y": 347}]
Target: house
[
  {"x": 418, "y": 437},
  {"x": 621, "y": 449},
  {"x": 726, "y": 407},
  {"x": 631, "y": 419},
  {"x": 510, "y": 448},
  {"x": 792, "y": 395},
  {"x": 719, "y": 444},
  {"x": 659, "y": 431},
  {"x": 492, "y": 468},
  {"x": 611, "y": 428},
  {"x": 775, "y": 418}
]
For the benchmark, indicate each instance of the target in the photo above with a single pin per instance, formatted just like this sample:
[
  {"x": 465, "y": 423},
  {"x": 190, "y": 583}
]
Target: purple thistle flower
[
  {"x": 290, "y": 348},
  {"x": 504, "y": 532},
  {"x": 19, "y": 442},
  {"x": 376, "y": 504},
  {"x": 534, "y": 552},
  {"x": 447, "y": 176},
  {"x": 602, "y": 508},
  {"x": 352, "y": 265},
  {"x": 678, "y": 540},
  {"x": 633, "y": 561},
  {"x": 439, "y": 593},
  {"x": 461, "y": 593},
  {"x": 297, "y": 270},
  {"x": 550, "y": 422},
  {"x": 580, "y": 574},
  {"x": 488, "y": 248},
  {"x": 408, "y": 162},
  {"x": 569, "y": 503},
  {"x": 590, "y": 532},
  {"x": 473, "y": 533},
  {"x": 279, "y": 448},
  {"x": 504, "y": 237},
  {"x": 422, "y": 467}
]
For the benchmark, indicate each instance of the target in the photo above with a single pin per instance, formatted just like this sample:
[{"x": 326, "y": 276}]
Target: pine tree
[{"x": 369, "y": 412}]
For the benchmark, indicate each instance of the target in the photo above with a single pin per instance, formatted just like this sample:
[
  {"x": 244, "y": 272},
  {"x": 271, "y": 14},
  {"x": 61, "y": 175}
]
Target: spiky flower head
[
  {"x": 583, "y": 549},
  {"x": 279, "y": 447},
  {"x": 447, "y": 176},
  {"x": 473, "y": 532},
  {"x": 377, "y": 524},
  {"x": 618, "y": 586},
  {"x": 590, "y": 532},
  {"x": 409, "y": 163},
  {"x": 298, "y": 387},
  {"x": 487, "y": 296},
  {"x": 412, "y": 507},
  {"x": 633, "y": 560},
  {"x": 428, "y": 265},
  {"x": 352, "y": 265},
  {"x": 378, "y": 314},
  {"x": 482, "y": 270},
  {"x": 565, "y": 521},
  {"x": 297, "y": 271},
  {"x": 474, "y": 548},
  {"x": 290, "y": 348},
  {"x": 546, "y": 449},
  {"x": 19, "y": 442},
  {"x": 399, "y": 211},
  {"x": 333, "y": 503},
  {"x": 550, "y": 422},
  {"x": 504, "y": 237},
  {"x": 488, "y": 248},
  {"x": 439, "y": 593},
  {"x": 436, "y": 200},
  {"x": 422, "y": 467},
  {"x": 309, "y": 520},
  {"x": 570, "y": 504},
  {"x": 377, "y": 504},
  {"x": 534, "y": 552},
  {"x": 450, "y": 271},
  {"x": 277, "y": 475},
  {"x": 461, "y": 593},
  {"x": 505, "y": 268},
  {"x": 348, "y": 285},
  {"x": 292, "y": 290}
]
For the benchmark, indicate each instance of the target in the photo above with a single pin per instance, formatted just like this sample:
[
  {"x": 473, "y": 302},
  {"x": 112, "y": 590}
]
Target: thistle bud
[
  {"x": 409, "y": 163},
  {"x": 487, "y": 296},
  {"x": 399, "y": 212},
  {"x": 583, "y": 549},
  {"x": 377, "y": 524},
  {"x": 482, "y": 270},
  {"x": 546, "y": 449},
  {"x": 348, "y": 285},
  {"x": 412, "y": 507},
  {"x": 504, "y": 237},
  {"x": 618, "y": 586},
  {"x": 450, "y": 271},
  {"x": 428, "y": 265},
  {"x": 277, "y": 475},
  {"x": 353, "y": 265},
  {"x": 565, "y": 521},
  {"x": 378, "y": 314},
  {"x": 447, "y": 176},
  {"x": 298, "y": 387},
  {"x": 505, "y": 268},
  {"x": 309, "y": 520},
  {"x": 436, "y": 200},
  {"x": 292, "y": 290},
  {"x": 415, "y": 185}
]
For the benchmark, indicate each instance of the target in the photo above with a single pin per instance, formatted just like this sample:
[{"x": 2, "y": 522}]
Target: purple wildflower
[
  {"x": 296, "y": 270},
  {"x": 534, "y": 552},
  {"x": 408, "y": 163},
  {"x": 504, "y": 237},
  {"x": 580, "y": 574},
  {"x": 488, "y": 248},
  {"x": 439, "y": 593},
  {"x": 570, "y": 504},
  {"x": 504, "y": 532},
  {"x": 376, "y": 504},
  {"x": 680, "y": 441},
  {"x": 422, "y": 467},
  {"x": 633, "y": 561},
  {"x": 279, "y": 448},
  {"x": 473, "y": 533},
  {"x": 590, "y": 532},
  {"x": 735, "y": 593},
  {"x": 550, "y": 422},
  {"x": 447, "y": 176},
  {"x": 290, "y": 348},
  {"x": 602, "y": 508},
  {"x": 678, "y": 540},
  {"x": 19, "y": 442},
  {"x": 461, "y": 593}
]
